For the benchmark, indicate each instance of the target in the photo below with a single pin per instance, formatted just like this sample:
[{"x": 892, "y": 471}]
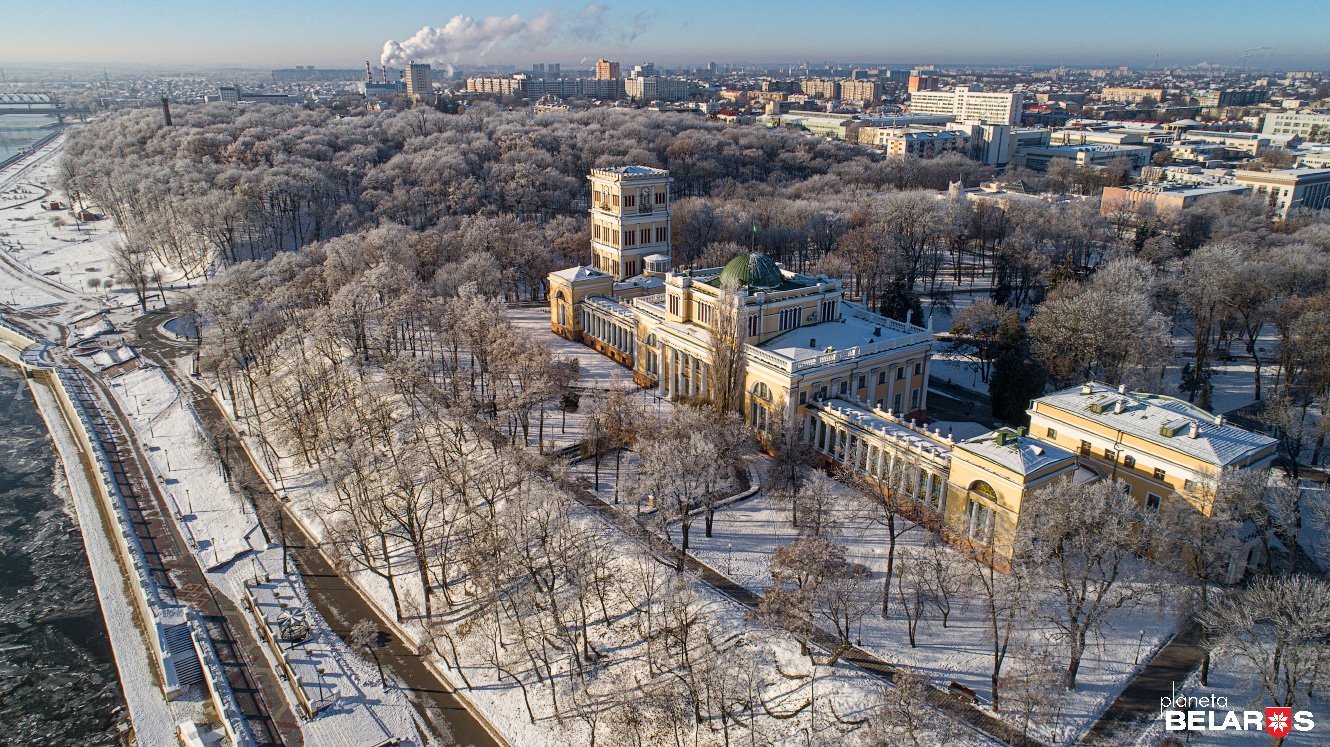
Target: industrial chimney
[{"x": 166, "y": 110}]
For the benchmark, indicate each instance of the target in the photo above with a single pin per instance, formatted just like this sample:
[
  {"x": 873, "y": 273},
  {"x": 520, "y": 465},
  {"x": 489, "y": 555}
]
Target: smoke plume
[{"x": 466, "y": 37}]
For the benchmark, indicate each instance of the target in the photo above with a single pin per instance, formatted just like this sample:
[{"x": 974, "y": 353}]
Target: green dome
[{"x": 754, "y": 270}]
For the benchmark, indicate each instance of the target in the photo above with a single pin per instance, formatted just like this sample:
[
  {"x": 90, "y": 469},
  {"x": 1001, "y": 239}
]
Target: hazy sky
[{"x": 345, "y": 33}]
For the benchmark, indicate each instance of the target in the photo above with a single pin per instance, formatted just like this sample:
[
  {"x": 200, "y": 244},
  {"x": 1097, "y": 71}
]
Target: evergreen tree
[{"x": 1017, "y": 379}]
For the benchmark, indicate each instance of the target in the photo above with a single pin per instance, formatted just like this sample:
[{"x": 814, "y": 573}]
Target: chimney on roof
[
  {"x": 1119, "y": 406},
  {"x": 1086, "y": 388},
  {"x": 1219, "y": 420},
  {"x": 1195, "y": 429},
  {"x": 1122, "y": 388}
]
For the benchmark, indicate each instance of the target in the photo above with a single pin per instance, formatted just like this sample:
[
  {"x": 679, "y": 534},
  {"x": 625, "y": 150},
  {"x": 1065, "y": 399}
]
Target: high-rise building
[
  {"x": 822, "y": 88},
  {"x": 606, "y": 70},
  {"x": 920, "y": 82},
  {"x": 1309, "y": 125},
  {"x": 418, "y": 80},
  {"x": 656, "y": 88},
  {"x": 966, "y": 103},
  {"x": 859, "y": 90}
]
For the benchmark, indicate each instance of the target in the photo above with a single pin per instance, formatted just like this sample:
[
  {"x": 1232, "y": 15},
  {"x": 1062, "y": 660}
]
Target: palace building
[{"x": 855, "y": 383}]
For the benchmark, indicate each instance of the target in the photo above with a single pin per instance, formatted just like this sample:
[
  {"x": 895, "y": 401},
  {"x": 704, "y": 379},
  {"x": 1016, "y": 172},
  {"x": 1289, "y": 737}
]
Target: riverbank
[
  {"x": 151, "y": 717},
  {"x": 52, "y": 636}
]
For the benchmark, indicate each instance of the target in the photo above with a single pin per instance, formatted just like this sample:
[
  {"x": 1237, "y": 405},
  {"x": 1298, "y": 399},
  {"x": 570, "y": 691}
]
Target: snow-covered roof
[
  {"x": 104, "y": 359},
  {"x": 1152, "y": 416},
  {"x": 1019, "y": 453},
  {"x": 645, "y": 282},
  {"x": 891, "y": 426},
  {"x": 857, "y": 333},
  {"x": 580, "y": 272}
]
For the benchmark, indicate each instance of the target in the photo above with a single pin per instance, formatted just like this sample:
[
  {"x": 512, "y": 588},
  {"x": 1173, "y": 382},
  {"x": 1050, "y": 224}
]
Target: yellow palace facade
[{"x": 856, "y": 382}]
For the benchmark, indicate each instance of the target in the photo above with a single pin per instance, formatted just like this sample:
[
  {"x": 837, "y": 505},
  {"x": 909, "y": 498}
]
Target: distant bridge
[{"x": 35, "y": 103}]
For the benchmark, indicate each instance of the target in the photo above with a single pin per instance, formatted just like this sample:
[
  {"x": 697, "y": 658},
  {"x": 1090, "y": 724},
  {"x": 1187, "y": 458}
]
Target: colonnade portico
[
  {"x": 880, "y": 457},
  {"x": 610, "y": 332},
  {"x": 681, "y": 374}
]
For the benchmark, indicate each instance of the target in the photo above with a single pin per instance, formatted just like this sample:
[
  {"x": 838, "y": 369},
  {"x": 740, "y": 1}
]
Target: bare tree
[
  {"x": 728, "y": 336},
  {"x": 1278, "y": 629},
  {"x": 1080, "y": 541},
  {"x": 1006, "y": 600}
]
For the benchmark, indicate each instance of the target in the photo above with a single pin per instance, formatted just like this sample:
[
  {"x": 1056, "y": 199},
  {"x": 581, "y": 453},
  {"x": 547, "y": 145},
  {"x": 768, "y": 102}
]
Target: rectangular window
[
  {"x": 629, "y": 200},
  {"x": 900, "y": 373},
  {"x": 660, "y": 197},
  {"x": 660, "y": 235},
  {"x": 753, "y": 325},
  {"x": 803, "y": 398},
  {"x": 644, "y": 235},
  {"x": 1110, "y": 455},
  {"x": 862, "y": 382},
  {"x": 896, "y": 404},
  {"x": 1159, "y": 473},
  {"x": 882, "y": 377},
  {"x": 1152, "y": 502},
  {"x": 1052, "y": 433},
  {"x": 616, "y": 200},
  {"x": 629, "y": 239},
  {"x": 844, "y": 387},
  {"x": 1085, "y": 448},
  {"x": 822, "y": 392},
  {"x": 914, "y": 399},
  {"x": 1188, "y": 484},
  {"x": 918, "y": 368}
]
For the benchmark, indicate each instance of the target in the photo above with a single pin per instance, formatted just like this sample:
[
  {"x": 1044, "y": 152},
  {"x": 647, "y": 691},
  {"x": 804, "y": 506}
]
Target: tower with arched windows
[{"x": 630, "y": 218}]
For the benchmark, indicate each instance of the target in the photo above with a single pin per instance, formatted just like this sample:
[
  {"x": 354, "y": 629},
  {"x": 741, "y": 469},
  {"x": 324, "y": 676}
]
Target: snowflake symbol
[{"x": 1277, "y": 722}]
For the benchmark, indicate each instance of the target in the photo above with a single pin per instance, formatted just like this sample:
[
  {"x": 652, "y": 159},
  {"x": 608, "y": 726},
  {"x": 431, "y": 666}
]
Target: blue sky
[{"x": 342, "y": 32}]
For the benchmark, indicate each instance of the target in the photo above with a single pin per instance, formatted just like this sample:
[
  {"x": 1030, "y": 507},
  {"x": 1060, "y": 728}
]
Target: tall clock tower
[{"x": 630, "y": 218}]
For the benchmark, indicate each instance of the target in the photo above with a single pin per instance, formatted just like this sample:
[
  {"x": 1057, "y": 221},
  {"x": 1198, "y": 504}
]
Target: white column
[
  {"x": 694, "y": 373},
  {"x": 660, "y": 371},
  {"x": 705, "y": 369},
  {"x": 676, "y": 366}
]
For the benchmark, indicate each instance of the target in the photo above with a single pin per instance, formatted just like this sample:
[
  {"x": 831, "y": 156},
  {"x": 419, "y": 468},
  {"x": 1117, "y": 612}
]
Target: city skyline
[{"x": 341, "y": 33}]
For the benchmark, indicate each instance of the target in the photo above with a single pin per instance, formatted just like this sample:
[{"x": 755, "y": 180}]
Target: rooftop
[
  {"x": 1017, "y": 452},
  {"x": 857, "y": 333},
  {"x": 580, "y": 272},
  {"x": 1153, "y": 417},
  {"x": 630, "y": 172},
  {"x": 892, "y": 426}
]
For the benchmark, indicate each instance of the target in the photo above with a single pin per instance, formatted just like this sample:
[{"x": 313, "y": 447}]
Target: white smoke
[{"x": 465, "y": 37}]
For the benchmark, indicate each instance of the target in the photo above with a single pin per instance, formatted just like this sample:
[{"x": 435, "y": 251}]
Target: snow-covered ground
[
  {"x": 746, "y": 534},
  {"x": 218, "y": 523},
  {"x": 154, "y": 719},
  {"x": 225, "y": 537}
]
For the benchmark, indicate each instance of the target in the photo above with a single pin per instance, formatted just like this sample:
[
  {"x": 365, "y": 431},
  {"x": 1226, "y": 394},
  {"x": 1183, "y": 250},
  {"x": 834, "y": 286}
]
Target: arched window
[
  {"x": 759, "y": 413},
  {"x": 982, "y": 488},
  {"x": 561, "y": 303}
]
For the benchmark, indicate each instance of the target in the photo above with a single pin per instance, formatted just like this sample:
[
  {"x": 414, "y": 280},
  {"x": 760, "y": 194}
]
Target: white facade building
[{"x": 966, "y": 103}]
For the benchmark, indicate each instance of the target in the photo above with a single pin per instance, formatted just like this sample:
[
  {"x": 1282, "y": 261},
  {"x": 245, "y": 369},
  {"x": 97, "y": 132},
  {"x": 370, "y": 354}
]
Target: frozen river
[{"x": 57, "y": 675}]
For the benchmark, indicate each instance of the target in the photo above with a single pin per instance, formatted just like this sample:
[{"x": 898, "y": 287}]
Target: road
[{"x": 340, "y": 604}]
